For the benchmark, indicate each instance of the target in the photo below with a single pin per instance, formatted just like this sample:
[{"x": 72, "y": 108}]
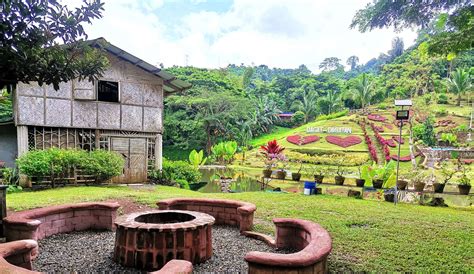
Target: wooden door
[{"x": 133, "y": 150}]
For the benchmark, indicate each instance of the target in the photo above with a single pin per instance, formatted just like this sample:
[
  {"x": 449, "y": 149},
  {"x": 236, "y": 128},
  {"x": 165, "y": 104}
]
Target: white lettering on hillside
[{"x": 343, "y": 130}]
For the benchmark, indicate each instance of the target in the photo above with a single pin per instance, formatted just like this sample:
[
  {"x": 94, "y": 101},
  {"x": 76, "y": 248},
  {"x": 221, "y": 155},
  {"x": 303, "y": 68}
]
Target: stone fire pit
[{"x": 148, "y": 240}]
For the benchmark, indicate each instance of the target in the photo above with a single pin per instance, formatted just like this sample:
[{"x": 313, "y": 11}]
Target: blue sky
[{"x": 214, "y": 33}]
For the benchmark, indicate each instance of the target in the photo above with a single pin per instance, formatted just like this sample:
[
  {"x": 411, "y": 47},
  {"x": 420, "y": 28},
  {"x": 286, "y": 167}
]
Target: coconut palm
[
  {"x": 309, "y": 105},
  {"x": 459, "y": 83},
  {"x": 363, "y": 91}
]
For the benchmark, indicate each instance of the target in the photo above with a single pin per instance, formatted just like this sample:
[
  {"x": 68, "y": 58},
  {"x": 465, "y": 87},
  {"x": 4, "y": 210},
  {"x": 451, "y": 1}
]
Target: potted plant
[
  {"x": 360, "y": 182},
  {"x": 447, "y": 173},
  {"x": 382, "y": 175},
  {"x": 418, "y": 181},
  {"x": 318, "y": 174},
  {"x": 464, "y": 185},
  {"x": 296, "y": 176},
  {"x": 339, "y": 178},
  {"x": 272, "y": 151}
]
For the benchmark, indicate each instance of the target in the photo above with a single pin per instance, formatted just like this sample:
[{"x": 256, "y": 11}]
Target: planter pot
[
  {"x": 339, "y": 180},
  {"x": 281, "y": 174},
  {"x": 402, "y": 184},
  {"x": 389, "y": 197},
  {"x": 360, "y": 182},
  {"x": 464, "y": 189},
  {"x": 438, "y": 188},
  {"x": 419, "y": 187},
  {"x": 377, "y": 183},
  {"x": 296, "y": 176},
  {"x": 318, "y": 179},
  {"x": 267, "y": 173}
]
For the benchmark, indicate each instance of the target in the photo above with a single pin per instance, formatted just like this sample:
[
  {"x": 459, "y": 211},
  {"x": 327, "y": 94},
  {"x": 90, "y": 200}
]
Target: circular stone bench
[
  {"x": 311, "y": 240},
  {"x": 226, "y": 212},
  {"x": 39, "y": 223},
  {"x": 16, "y": 257}
]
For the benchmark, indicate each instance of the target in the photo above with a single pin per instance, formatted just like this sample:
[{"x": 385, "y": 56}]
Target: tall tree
[
  {"x": 459, "y": 83},
  {"x": 457, "y": 20},
  {"x": 330, "y": 63},
  {"x": 30, "y": 32},
  {"x": 352, "y": 61},
  {"x": 362, "y": 91},
  {"x": 309, "y": 105},
  {"x": 397, "y": 48}
]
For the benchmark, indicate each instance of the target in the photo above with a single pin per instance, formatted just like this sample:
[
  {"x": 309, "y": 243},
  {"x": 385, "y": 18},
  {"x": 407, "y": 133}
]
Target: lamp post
[{"x": 401, "y": 116}]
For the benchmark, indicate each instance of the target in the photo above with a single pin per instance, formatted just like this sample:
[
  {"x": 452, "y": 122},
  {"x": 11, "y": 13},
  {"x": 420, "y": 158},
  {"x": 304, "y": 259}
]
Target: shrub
[
  {"x": 441, "y": 112},
  {"x": 175, "y": 172},
  {"x": 449, "y": 138},
  {"x": 382, "y": 106},
  {"x": 224, "y": 152},
  {"x": 298, "y": 118},
  {"x": 443, "y": 99},
  {"x": 344, "y": 159},
  {"x": 332, "y": 115},
  {"x": 101, "y": 163},
  {"x": 57, "y": 163}
]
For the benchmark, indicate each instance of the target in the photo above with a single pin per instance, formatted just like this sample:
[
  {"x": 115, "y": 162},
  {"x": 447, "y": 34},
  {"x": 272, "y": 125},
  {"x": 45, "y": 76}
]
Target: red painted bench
[
  {"x": 43, "y": 222},
  {"x": 16, "y": 257},
  {"x": 312, "y": 241},
  {"x": 226, "y": 212}
]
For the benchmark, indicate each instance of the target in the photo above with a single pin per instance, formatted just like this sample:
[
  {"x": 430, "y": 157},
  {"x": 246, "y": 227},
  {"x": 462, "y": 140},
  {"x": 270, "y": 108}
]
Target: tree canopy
[{"x": 30, "y": 33}]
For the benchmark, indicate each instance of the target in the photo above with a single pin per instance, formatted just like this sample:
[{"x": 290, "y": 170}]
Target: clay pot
[
  {"x": 339, "y": 180},
  {"x": 281, "y": 174},
  {"x": 318, "y": 179},
  {"x": 402, "y": 184},
  {"x": 464, "y": 189},
  {"x": 296, "y": 176},
  {"x": 267, "y": 173},
  {"x": 419, "y": 187},
  {"x": 438, "y": 188},
  {"x": 377, "y": 183},
  {"x": 360, "y": 182}
]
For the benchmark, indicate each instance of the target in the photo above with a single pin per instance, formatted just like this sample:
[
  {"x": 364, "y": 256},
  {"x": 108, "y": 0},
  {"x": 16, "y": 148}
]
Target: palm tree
[
  {"x": 330, "y": 103},
  {"x": 309, "y": 105},
  {"x": 459, "y": 83},
  {"x": 363, "y": 91},
  {"x": 266, "y": 113}
]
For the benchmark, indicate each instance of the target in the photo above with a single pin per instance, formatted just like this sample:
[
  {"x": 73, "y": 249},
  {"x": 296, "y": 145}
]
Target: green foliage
[
  {"x": 460, "y": 83},
  {"x": 425, "y": 132},
  {"x": 346, "y": 159},
  {"x": 385, "y": 173},
  {"x": 174, "y": 172},
  {"x": 30, "y": 32},
  {"x": 442, "y": 99},
  {"x": 449, "y": 138},
  {"x": 298, "y": 118},
  {"x": 362, "y": 90},
  {"x": 332, "y": 115},
  {"x": 224, "y": 152},
  {"x": 197, "y": 159},
  {"x": 6, "y": 107},
  {"x": 101, "y": 163},
  {"x": 57, "y": 163}
]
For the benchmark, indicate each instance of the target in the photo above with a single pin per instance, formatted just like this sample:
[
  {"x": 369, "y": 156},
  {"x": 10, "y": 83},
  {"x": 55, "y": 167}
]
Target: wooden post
[
  {"x": 22, "y": 139},
  {"x": 159, "y": 151}
]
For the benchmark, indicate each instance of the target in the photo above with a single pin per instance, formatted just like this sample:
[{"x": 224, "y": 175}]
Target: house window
[{"x": 108, "y": 91}]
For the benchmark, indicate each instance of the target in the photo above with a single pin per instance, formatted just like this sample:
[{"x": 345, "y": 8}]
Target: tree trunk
[
  {"x": 410, "y": 144},
  {"x": 208, "y": 140},
  {"x": 459, "y": 99}
]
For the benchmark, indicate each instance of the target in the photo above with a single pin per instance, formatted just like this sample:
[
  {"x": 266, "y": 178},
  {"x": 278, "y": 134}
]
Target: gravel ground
[{"x": 91, "y": 252}]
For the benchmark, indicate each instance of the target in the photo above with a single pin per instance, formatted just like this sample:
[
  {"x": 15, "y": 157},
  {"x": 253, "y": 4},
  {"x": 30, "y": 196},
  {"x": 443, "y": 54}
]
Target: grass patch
[
  {"x": 367, "y": 235},
  {"x": 277, "y": 133}
]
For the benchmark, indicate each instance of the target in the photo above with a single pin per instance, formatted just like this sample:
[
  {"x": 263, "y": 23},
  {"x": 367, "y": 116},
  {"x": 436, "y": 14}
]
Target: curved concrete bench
[
  {"x": 312, "y": 241},
  {"x": 228, "y": 212},
  {"x": 175, "y": 266},
  {"x": 43, "y": 222},
  {"x": 16, "y": 257}
]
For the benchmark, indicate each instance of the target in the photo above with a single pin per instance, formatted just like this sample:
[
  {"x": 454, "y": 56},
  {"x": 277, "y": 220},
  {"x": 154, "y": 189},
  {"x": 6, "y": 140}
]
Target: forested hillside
[{"x": 242, "y": 102}]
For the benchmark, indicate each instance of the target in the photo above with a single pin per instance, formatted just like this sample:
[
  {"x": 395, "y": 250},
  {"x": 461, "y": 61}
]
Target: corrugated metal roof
[{"x": 171, "y": 83}]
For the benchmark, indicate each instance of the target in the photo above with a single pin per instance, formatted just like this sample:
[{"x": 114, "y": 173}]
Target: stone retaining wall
[
  {"x": 16, "y": 257},
  {"x": 226, "y": 212},
  {"x": 312, "y": 241},
  {"x": 43, "y": 222}
]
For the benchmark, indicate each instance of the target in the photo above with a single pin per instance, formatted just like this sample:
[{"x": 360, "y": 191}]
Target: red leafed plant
[
  {"x": 343, "y": 141},
  {"x": 272, "y": 150},
  {"x": 404, "y": 158},
  {"x": 397, "y": 139},
  {"x": 302, "y": 140},
  {"x": 376, "y": 117},
  {"x": 390, "y": 142}
]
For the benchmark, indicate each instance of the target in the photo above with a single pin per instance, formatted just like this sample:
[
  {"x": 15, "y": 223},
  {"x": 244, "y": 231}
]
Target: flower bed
[
  {"x": 388, "y": 126},
  {"x": 376, "y": 117},
  {"x": 302, "y": 140},
  {"x": 404, "y": 158},
  {"x": 368, "y": 141},
  {"x": 343, "y": 141},
  {"x": 390, "y": 142},
  {"x": 382, "y": 142},
  {"x": 398, "y": 140}
]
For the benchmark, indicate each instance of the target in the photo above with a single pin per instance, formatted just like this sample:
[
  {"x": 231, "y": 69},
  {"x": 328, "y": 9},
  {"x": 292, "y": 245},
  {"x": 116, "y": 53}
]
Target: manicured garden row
[
  {"x": 382, "y": 142},
  {"x": 368, "y": 141}
]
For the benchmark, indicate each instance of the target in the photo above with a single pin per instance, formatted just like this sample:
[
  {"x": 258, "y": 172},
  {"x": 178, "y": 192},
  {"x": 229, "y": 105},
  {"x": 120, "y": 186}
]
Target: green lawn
[{"x": 367, "y": 235}]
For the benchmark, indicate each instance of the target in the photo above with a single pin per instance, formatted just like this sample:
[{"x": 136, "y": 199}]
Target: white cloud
[{"x": 278, "y": 33}]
